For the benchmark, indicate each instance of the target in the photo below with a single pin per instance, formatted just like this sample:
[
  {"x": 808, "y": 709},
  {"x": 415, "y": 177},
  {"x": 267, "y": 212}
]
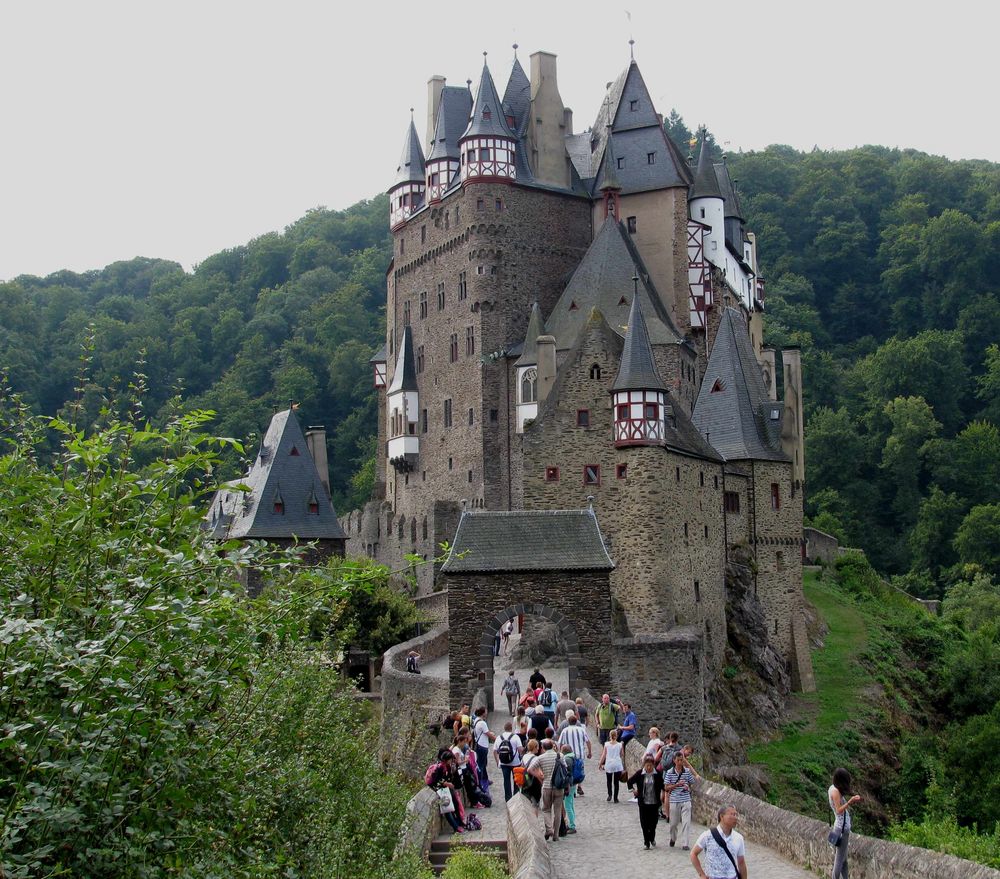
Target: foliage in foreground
[
  {"x": 155, "y": 722},
  {"x": 467, "y": 863}
]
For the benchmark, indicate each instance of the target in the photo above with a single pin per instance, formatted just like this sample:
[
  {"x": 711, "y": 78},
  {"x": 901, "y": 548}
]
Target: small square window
[
  {"x": 706, "y": 532},
  {"x": 592, "y": 474},
  {"x": 494, "y": 416},
  {"x": 701, "y": 478},
  {"x": 622, "y": 412},
  {"x": 697, "y": 591},
  {"x": 480, "y": 204},
  {"x": 631, "y": 224},
  {"x": 470, "y": 476},
  {"x": 775, "y": 496},
  {"x": 499, "y": 205},
  {"x": 471, "y": 416},
  {"x": 621, "y": 162},
  {"x": 621, "y": 471},
  {"x": 678, "y": 471},
  {"x": 551, "y": 474},
  {"x": 716, "y": 478},
  {"x": 651, "y": 411},
  {"x": 583, "y": 418},
  {"x": 633, "y": 105},
  {"x": 651, "y": 158},
  {"x": 450, "y": 463},
  {"x": 685, "y": 529},
  {"x": 731, "y": 502},
  {"x": 423, "y": 234},
  {"x": 423, "y": 421}
]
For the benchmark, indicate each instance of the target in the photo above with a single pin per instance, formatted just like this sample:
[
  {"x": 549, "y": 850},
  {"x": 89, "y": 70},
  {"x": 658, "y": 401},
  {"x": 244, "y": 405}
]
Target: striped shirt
[
  {"x": 576, "y": 737},
  {"x": 679, "y": 794}
]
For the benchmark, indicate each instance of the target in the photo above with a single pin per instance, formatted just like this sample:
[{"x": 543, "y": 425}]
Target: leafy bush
[
  {"x": 467, "y": 863},
  {"x": 155, "y": 722},
  {"x": 947, "y": 835}
]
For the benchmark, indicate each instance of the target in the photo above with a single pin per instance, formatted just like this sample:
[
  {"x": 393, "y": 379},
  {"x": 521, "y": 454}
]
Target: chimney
[
  {"x": 547, "y": 123},
  {"x": 435, "y": 86},
  {"x": 546, "y": 350},
  {"x": 791, "y": 423},
  {"x": 316, "y": 443},
  {"x": 767, "y": 367},
  {"x": 567, "y": 121}
]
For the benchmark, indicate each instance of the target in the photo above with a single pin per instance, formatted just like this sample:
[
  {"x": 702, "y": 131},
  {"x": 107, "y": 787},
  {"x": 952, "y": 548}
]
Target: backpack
[
  {"x": 548, "y": 697},
  {"x": 560, "y": 775},
  {"x": 411, "y": 663},
  {"x": 473, "y": 823},
  {"x": 579, "y": 773},
  {"x": 505, "y": 750}
]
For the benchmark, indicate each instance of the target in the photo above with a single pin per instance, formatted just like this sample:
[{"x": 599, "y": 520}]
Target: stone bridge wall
[
  {"x": 803, "y": 840},
  {"x": 412, "y": 705}
]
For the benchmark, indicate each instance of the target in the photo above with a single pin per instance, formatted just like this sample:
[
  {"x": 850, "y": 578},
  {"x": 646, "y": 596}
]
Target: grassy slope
[{"x": 825, "y": 727}]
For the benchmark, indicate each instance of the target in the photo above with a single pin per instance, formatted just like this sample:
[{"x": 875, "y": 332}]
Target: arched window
[
  {"x": 595, "y": 371},
  {"x": 529, "y": 386}
]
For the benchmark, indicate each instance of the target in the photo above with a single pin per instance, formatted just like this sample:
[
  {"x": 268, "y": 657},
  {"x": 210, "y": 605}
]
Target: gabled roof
[
  {"x": 733, "y": 408},
  {"x": 637, "y": 369},
  {"x": 378, "y": 356},
  {"x": 733, "y": 208},
  {"x": 488, "y": 118},
  {"x": 452, "y": 119},
  {"x": 603, "y": 279},
  {"x": 411, "y": 162},
  {"x": 517, "y": 96},
  {"x": 706, "y": 184},
  {"x": 529, "y": 354},
  {"x": 528, "y": 540},
  {"x": 285, "y": 473},
  {"x": 405, "y": 376}
]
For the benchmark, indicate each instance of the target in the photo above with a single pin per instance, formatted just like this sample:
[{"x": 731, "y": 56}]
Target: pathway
[{"x": 609, "y": 841}]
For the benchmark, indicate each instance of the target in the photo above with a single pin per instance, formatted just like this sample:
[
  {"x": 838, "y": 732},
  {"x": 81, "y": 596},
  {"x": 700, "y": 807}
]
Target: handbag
[
  {"x": 833, "y": 837},
  {"x": 445, "y": 802}
]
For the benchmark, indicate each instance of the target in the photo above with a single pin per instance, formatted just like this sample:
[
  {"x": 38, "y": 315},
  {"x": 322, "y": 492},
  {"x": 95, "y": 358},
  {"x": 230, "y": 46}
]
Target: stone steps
[{"x": 441, "y": 850}]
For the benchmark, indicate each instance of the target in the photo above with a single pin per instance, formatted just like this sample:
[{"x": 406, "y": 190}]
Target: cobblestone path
[{"x": 608, "y": 844}]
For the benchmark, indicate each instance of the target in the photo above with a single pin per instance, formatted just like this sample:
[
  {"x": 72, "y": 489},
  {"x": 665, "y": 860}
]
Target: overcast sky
[{"x": 178, "y": 129}]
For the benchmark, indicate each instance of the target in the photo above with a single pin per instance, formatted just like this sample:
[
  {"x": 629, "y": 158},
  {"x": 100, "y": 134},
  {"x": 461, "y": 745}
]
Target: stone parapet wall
[
  {"x": 412, "y": 705},
  {"x": 820, "y": 546},
  {"x": 527, "y": 852},
  {"x": 434, "y": 607},
  {"x": 803, "y": 841},
  {"x": 421, "y": 824}
]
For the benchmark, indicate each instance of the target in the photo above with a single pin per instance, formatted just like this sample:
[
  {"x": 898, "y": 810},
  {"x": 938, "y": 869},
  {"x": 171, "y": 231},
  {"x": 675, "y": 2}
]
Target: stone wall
[
  {"x": 803, "y": 841},
  {"x": 578, "y": 602},
  {"x": 412, "y": 705},
  {"x": 820, "y": 547},
  {"x": 422, "y": 822},
  {"x": 434, "y": 607},
  {"x": 661, "y": 677},
  {"x": 528, "y": 854}
]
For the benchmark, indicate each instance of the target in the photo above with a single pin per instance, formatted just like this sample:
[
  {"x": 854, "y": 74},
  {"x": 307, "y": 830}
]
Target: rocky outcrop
[{"x": 540, "y": 643}]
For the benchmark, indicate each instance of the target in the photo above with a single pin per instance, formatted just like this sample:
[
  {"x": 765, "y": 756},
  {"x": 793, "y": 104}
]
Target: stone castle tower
[{"x": 578, "y": 314}]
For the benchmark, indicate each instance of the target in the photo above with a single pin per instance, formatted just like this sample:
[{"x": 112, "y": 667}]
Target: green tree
[{"x": 977, "y": 540}]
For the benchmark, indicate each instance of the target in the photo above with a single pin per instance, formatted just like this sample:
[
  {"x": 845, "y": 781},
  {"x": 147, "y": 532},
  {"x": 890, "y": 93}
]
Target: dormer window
[
  {"x": 279, "y": 508},
  {"x": 573, "y": 306},
  {"x": 633, "y": 106},
  {"x": 294, "y": 452},
  {"x": 621, "y": 162},
  {"x": 717, "y": 388},
  {"x": 529, "y": 386},
  {"x": 487, "y": 115}
]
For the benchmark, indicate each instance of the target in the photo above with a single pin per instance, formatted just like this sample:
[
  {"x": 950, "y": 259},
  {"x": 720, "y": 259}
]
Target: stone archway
[{"x": 486, "y": 670}]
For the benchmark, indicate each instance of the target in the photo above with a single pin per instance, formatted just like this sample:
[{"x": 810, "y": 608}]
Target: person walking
[
  {"x": 536, "y": 679},
  {"x": 552, "y": 796},
  {"x": 670, "y": 747},
  {"x": 569, "y": 800},
  {"x": 507, "y": 751},
  {"x": 575, "y": 735},
  {"x": 840, "y": 799},
  {"x": 582, "y": 712},
  {"x": 511, "y": 688},
  {"x": 563, "y": 705},
  {"x": 678, "y": 782},
  {"x": 606, "y": 718},
  {"x": 612, "y": 764},
  {"x": 533, "y": 778},
  {"x": 648, "y": 785},
  {"x": 505, "y": 632},
  {"x": 724, "y": 847}
]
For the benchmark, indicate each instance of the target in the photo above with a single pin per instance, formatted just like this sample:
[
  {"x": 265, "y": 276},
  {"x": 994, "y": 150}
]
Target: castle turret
[
  {"x": 707, "y": 205},
  {"x": 407, "y": 192},
  {"x": 526, "y": 371},
  {"x": 487, "y": 146},
  {"x": 638, "y": 393},
  {"x": 452, "y": 116},
  {"x": 401, "y": 404}
]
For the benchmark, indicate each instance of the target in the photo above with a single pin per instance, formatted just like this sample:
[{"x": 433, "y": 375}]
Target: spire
[
  {"x": 405, "y": 376},
  {"x": 487, "y": 111},
  {"x": 609, "y": 173},
  {"x": 411, "y": 162},
  {"x": 638, "y": 369},
  {"x": 706, "y": 183},
  {"x": 529, "y": 356},
  {"x": 517, "y": 95}
]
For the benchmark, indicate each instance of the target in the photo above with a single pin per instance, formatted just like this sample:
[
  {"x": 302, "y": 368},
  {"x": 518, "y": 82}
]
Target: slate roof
[
  {"x": 411, "y": 162},
  {"x": 706, "y": 184},
  {"x": 734, "y": 210},
  {"x": 452, "y": 119},
  {"x": 529, "y": 353},
  {"x": 378, "y": 356},
  {"x": 282, "y": 471},
  {"x": 404, "y": 378},
  {"x": 637, "y": 369},
  {"x": 517, "y": 97},
  {"x": 738, "y": 415},
  {"x": 487, "y": 111},
  {"x": 607, "y": 178},
  {"x": 603, "y": 279},
  {"x": 528, "y": 540}
]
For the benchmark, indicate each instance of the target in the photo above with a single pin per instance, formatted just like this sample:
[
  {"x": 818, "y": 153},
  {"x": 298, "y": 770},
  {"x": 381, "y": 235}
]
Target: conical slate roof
[
  {"x": 637, "y": 369},
  {"x": 603, "y": 280},
  {"x": 706, "y": 184},
  {"x": 283, "y": 473},
  {"x": 405, "y": 376},
  {"x": 517, "y": 96},
  {"x": 452, "y": 118},
  {"x": 411, "y": 162},
  {"x": 529, "y": 355},
  {"x": 487, "y": 111},
  {"x": 733, "y": 208},
  {"x": 733, "y": 408},
  {"x": 608, "y": 176}
]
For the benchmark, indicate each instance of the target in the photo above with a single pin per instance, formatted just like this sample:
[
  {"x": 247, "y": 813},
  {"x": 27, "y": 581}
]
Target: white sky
[{"x": 177, "y": 129}]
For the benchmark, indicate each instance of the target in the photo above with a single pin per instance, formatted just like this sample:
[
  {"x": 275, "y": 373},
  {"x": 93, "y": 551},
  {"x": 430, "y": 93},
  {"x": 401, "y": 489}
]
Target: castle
[{"x": 573, "y": 322}]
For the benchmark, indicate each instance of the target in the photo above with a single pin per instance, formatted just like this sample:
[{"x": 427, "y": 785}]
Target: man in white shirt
[
  {"x": 482, "y": 737},
  {"x": 513, "y": 753},
  {"x": 725, "y": 849}
]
